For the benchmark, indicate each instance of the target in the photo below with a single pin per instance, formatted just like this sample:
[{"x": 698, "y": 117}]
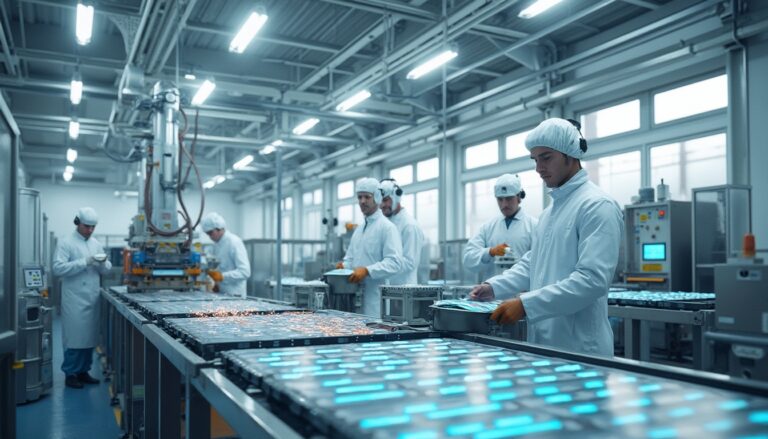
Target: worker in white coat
[
  {"x": 375, "y": 252},
  {"x": 234, "y": 267},
  {"x": 78, "y": 261},
  {"x": 561, "y": 285},
  {"x": 411, "y": 235},
  {"x": 511, "y": 232}
]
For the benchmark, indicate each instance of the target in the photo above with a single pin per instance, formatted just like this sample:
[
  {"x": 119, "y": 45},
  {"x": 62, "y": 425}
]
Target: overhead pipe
[
  {"x": 146, "y": 16},
  {"x": 171, "y": 45}
]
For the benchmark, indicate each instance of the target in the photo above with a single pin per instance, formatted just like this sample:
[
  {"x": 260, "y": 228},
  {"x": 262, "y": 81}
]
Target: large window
[
  {"x": 691, "y": 99},
  {"x": 533, "y": 186},
  {"x": 311, "y": 221},
  {"x": 428, "y": 169},
  {"x": 612, "y": 120},
  {"x": 287, "y": 208},
  {"x": 345, "y": 189},
  {"x": 402, "y": 175},
  {"x": 515, "y": 146},
  {"x": 618, "y": 175},
  {"x": 481, "y": 155},
  {"x": 480, "y": 205},
  {"x": 427, "y": 209},
  {"x": 689, "y": 164},
  {"x": 348, "y": 213}
]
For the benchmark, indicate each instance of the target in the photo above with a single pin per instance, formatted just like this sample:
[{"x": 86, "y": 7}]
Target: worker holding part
[
  {"x": 375, "y": 252},
  {"x": 79, "y": 260},
  {"x": 561, "y": 285},
  {"x": 234, "y": 267},
  {"x": 509, "y": 232},
  {"x": 411, "y": 235}
]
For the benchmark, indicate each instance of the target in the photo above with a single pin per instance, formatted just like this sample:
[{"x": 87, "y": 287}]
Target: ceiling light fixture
[
  {"x": 353, "y": 100},
  {"x": 84, "y": 25},
  {"x": 71, "y": 155},
  {"x": 246, "y": 33},
  {"x": 205, "y": 90},
  {"x": 190, "y": 76},
  {"x": 76, "y": 89},
  {"x": 209, "y": 184},
  {"x": 272, "y": 147},
  {"x": 66, "y": 176},
  {"x": 305, "y": 126},
  {"x": 69, "y": 169},
  {"x": 219, "y": 179},
  {"x": 74, "y": 129},
  {"x": 537, "y": 8},
  {"x": 243, "y": 162},
  {"x": 432, "y": 64}
]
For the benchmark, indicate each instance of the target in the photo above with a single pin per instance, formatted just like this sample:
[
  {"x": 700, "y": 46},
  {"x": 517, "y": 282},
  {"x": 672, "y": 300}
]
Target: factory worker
[
  {"x": 509, "y": 232},
  {"x": 78, "y": 261},
  {"x": 375, "y": 252},
  {"x": 411, "y": 235},
  {"x": 561, "y": 285},
  {"x": 234, "y": 267}
]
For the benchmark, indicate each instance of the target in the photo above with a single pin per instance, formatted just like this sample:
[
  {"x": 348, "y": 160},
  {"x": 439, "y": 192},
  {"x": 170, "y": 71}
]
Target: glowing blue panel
[
  {"x": 546, "y": 390},
  {"x": 594, "y": 384},
  {"x": 396, "y": 362},
  {"x": 502, "y": 396},
  {"x": 491, "y": 354},
  {"x": 398, "y": 376},
  {"x": 584, "y": 409},
  {"x": 457, "y": 351},
  {"x": 541, "y": 363},
  {"x": 453, "y": 390},
  {"x": 723, "y": 425},
  {"x": 352, "y": 365},
  {"x": 334, "y": 383},
  {"x": 514, "y": 421},
  {"x": 508, "y": 358},
  {"x": 645, "y": 388},
  {"x": 463, "y": 429},
  {"x": 268, "y": 359},
  {"x": 760, "y": 417},
  {"x": 430, "y": 382},
  {"x": 545, "y": 379},
  {"x": 680, "y": 412},
  {"x": 635, "y": 418},
  {"x": 374, "y": 358},
  {"x": 557, "y": 399},
  {"x": 628, "y": 379},
  {"x": 458, "y": 371},
  {"x": 525, "y": 372},
  {"x": 385, "y": 368},
  {"x": 694, "y": 396},
  {"x": 470, "y": 361},
  {"x": 642, "y": 402},
  {"x": 361, "y": 388},
  {"x": 587, "y": 374},
  {"x": 427, "y": 434},
  {"x": 438, "y": 358},
  {"x": 662, "y": 433},
  {"x": 366, "y": 397},
  {"x": 464, "y": 411},
  {"x": 604, "y": 393},
  {"x": 420, "y": 408},
  {"x": 521, "y": 431},
  {"x": 493, "y": 367},
  {"x": 384, "y": 421},
  {"x": 568, "y": 368},
  {"x": 291, "y": 376},
  {"x": 500, "y": 384},
  {"x": 735, "y": 404},
  {"x": 329, "y": 372}
]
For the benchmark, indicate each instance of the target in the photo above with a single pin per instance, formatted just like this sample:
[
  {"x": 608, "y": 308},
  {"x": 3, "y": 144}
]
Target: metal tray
[{"x": 459, "y": 320}]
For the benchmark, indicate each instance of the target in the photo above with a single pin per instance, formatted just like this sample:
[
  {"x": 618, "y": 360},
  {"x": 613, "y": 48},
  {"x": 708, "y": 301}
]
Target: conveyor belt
[
  {"x": 662, "y": 299},
  {"x": 209, "y": 335},
  {"x": 435, "y": 388},
  {"x": 202, "y": 308},
  {"x": 172, "y": 296}
]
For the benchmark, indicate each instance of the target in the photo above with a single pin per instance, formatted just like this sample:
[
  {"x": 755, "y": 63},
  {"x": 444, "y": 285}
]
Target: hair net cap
[
  {"x": 507, "y": 185},
  {"x": 389, "y": 189},
  {"x": 87, "y": 216},
  {"x": 212, "y": 221},
  {"x": 370, "y": 185},
  {"x": 557, "y": 134}
]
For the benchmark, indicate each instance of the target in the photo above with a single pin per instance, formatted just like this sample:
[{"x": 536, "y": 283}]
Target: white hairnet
[
  {"x": 87, "y": 216},
  {"x": 558, "y": 134},
  {"x": 507, "y": 185},
  {"x": 212, "y": 221},
  {"x": 370, "y": 185},
  {"x": 389, "y": 189}
]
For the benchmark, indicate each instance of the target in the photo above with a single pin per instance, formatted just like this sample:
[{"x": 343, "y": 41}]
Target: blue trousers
[{"x": 77, "y": 361}]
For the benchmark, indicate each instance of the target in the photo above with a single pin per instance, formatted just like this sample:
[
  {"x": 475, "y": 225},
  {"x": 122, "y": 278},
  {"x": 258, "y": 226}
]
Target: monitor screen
[{"x": 655, "y": 252}]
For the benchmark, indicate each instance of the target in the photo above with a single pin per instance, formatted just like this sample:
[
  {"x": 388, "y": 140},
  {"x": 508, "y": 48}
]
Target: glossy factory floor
[{"x": 68, "y": 413}]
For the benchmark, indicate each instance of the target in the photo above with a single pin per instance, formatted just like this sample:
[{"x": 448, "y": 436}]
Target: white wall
[{"x": 61, "y": 201}]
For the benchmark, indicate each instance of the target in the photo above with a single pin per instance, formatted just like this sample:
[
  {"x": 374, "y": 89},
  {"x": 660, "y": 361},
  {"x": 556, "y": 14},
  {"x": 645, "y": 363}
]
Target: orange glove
[
  {"x": 499, "y": 250},
  {"x": 216, "y": 275},
  {"x": 358, "y": 276},
  {"x": 339, "y": 265},
  {"x": 509, "y": 312},
  {"x": 350, "y": 226}
]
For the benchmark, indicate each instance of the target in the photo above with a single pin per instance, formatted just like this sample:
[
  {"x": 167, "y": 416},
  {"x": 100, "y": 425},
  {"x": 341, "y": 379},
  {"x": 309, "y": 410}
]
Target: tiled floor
[{"x": 68, "y": 413}]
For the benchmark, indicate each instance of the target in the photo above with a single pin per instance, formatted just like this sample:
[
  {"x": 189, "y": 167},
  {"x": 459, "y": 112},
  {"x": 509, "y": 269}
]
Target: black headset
[
  {"x": 582, "y": 140},
  {"x": 77, "y": 221},
  {"x": 398, "y": 190}
]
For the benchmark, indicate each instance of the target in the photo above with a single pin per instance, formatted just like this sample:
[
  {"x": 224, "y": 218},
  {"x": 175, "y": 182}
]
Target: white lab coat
[
  {"x": 233, "y": 264},
  {"x": 569, "y": 269},
  {"x": 412, "y": 239},
  {"x": 376, "y": 246},
  {"x": 517, "y": 236},
  {"x": 79, "y": 290}
]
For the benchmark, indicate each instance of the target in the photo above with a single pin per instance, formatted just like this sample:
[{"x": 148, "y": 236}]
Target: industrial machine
[
  {"x": 161, "y": 254},
  {"x": 658, "y": 245},
  {"x": 408, "y": 303},
  {"x": 742, "y": 316}
]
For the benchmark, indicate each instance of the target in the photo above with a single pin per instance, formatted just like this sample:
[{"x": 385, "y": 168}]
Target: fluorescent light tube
[
  {"x": 353, "y": 100},
  {"x": 537, "y": 8},
  {"x": 243, "y": 162},
  {"x": 76, "y": 90},
  {"x": 69, "y": 169},
  {"x": 209, "y": 184},
  {"x": 84, "y": 26},
  {"x": 305, "y": 126},
  {"x": 432, "y": 64},
  {"x": 219, "y": 179},
  {"x": 205, "y": 90},
  {"x": 190, "y": 76},
  {"x": 246, "y": 33},
  {"x": 74, "y": 129},
  {"x": 67, "y": 176},
  {"x": 269, "y": 149},
  {"x": 71, "y": 155}
]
